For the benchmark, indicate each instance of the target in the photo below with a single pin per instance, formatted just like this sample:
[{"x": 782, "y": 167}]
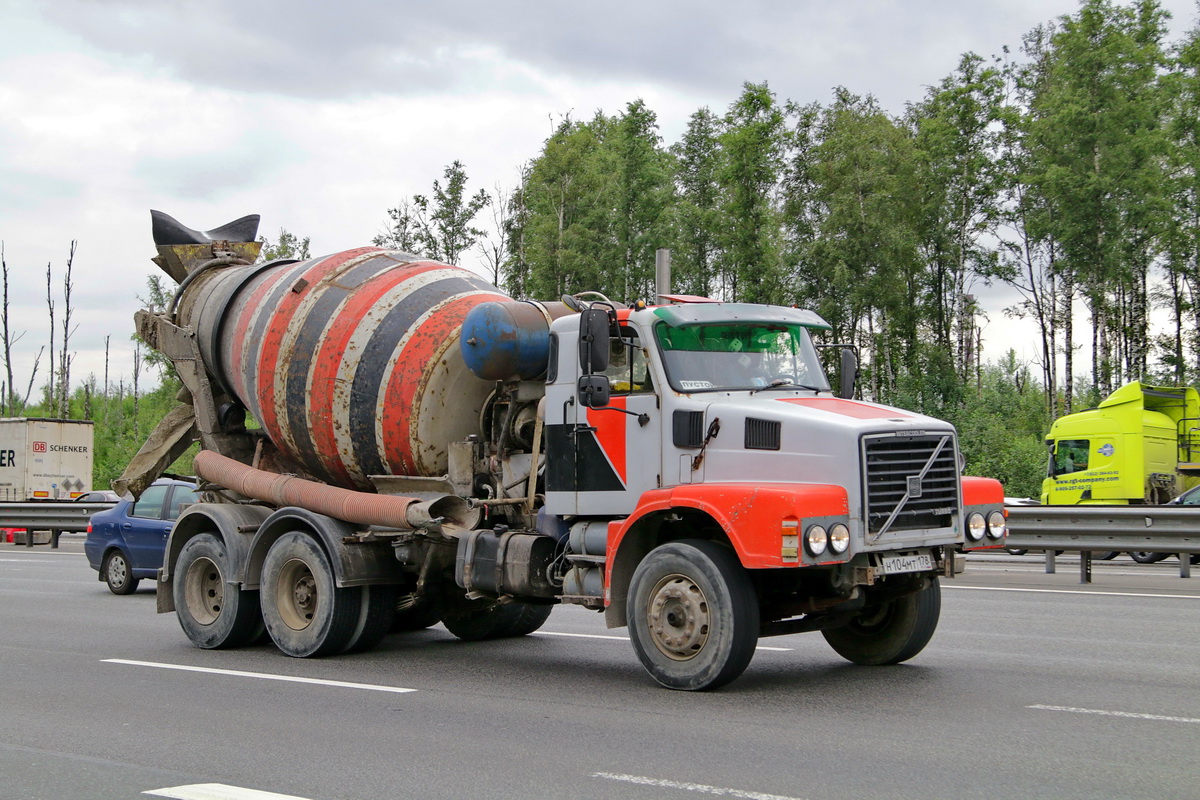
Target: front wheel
[
  {"x": 693, "y": 615},
  {"x": 890, "y": 631},
  {"x": 118, "y": 574},
  {"x": 213, "y": 612}
]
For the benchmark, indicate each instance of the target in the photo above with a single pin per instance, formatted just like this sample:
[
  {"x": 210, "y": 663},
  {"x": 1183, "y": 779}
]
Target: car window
[
  {"x": 1190, "y": 498},
  {"x": 182, "y": 498},
  {"x": 150, "y": 504}
]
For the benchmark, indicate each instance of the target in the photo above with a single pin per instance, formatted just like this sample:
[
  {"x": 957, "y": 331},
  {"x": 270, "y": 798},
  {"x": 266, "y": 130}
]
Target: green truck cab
[{"x": 1141, "y": 444}]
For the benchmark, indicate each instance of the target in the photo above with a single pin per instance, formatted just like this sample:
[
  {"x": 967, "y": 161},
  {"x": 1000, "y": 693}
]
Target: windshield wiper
[{"x": 784, "y": 382}]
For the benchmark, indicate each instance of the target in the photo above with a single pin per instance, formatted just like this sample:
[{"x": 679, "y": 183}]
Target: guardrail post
[
  {"x": 1050, "y": 561},
  {"x": 54, "y": 534},
  {"x": 1185, "y": 565},
  {"x": 29, "y": 537},
  {"x": 1085, "y": 566}
]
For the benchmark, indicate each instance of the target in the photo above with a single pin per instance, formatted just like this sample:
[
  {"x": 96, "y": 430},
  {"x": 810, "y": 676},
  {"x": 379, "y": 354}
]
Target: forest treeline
[{"x": 1067, "y": 168}]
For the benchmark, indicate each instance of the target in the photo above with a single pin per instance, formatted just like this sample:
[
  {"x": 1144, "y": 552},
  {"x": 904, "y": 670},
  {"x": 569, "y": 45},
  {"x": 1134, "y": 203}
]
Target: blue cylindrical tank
[{"x": 506, "y": 340}]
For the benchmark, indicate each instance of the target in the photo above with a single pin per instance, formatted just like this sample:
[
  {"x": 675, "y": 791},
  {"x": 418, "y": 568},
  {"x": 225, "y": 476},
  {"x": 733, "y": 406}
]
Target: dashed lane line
[
  {"x": 1124, "y": 714},
  {"x": 701, "y": 788},
  {"x": 626, "y": 639},
  {"x": 217, "y": 791},
  {"x": 261, "y": 675}
]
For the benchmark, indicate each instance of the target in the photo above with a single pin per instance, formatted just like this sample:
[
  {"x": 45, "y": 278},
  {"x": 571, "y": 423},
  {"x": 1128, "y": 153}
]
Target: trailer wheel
[
  {"x": 306, "y": 614},
  {"x": 490, "y": 620},
  {"x": 891, "y": 631},
  {"x": 415, "y": 615},
  {"x": 693, "y": 615},
  {"x": 213, "y": 613},
  {"x": 117, "y": 573}
]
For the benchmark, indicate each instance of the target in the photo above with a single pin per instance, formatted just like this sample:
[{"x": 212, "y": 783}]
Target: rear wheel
[
  {"x": 305, "y": 612},
  {"x": 891, "y": 631},
  {"x": 1146, "y": 557},
  {"x": 492, "y": 620},
  {"x": 118, "y": 574},
  {"x": 213, "y": 612},
  {"x": 693, "y": 615},
  {"x": 413, "y": 614}
]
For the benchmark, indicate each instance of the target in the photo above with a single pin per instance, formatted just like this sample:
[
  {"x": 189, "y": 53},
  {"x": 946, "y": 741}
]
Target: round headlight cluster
[
  {"x": 818, "y": 540},
  {"x": 997, "y": 526},
  {"x": 976, "y": 525}
]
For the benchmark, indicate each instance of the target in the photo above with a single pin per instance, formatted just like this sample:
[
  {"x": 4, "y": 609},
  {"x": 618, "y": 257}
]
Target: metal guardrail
[
  {"x": 1095, "y": 529},
  {"x": 54, "y": 517}
]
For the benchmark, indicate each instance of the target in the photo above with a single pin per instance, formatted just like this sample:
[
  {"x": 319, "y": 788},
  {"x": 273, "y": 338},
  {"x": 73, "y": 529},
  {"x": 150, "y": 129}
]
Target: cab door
[{"x": 601, "y": 460}]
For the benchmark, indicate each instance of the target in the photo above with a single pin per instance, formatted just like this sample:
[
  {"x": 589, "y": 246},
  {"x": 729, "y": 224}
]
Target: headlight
[
  {"x": 996, "y": 525},
  {"x": 975, "y": 526},
  {"x": 816, "y": 540},
  {"x": 839, "y": 538}
]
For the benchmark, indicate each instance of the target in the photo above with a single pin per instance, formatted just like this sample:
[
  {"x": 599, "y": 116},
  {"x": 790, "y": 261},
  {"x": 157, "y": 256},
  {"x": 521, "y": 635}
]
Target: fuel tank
[{"x": 350, "y": 362}]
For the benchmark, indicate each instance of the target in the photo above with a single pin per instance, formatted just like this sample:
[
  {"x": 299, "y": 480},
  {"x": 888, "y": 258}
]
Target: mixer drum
[{"x": 350, "y": 362}]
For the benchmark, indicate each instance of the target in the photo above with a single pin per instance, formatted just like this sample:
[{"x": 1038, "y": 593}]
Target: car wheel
[
  {"x": 693, "y": 615},
  {"x": 891, "y": 631},
  {"x": 213, "y": 612},
  {"x": 118, "y": 574},
  {"x": 1146, "y": 557}
]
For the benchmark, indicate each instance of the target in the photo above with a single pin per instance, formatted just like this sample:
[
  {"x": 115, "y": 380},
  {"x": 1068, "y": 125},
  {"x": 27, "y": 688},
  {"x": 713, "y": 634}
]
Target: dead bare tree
[
  {"x": 50, "y": 397},
  {"x": 65, "y": 357},
  {"x": 137, "y": 371}
]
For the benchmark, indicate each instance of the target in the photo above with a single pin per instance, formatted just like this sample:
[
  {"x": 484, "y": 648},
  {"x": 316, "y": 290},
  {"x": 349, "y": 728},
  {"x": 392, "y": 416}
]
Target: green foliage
[
  {"x": 288, "y": 245},
  {"x": 437, "y": 227}
]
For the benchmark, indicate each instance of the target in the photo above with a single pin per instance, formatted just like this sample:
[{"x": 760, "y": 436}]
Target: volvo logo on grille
[{"x": 914, "y": 485}]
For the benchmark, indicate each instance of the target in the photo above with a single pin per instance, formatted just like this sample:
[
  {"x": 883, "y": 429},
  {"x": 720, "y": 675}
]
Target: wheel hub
[
  {"x": 678, "y": 617},
  {"x": 204, "y": 591},
  {"x": 116, "y": 571},
  {"x": 297, "y": 595}
]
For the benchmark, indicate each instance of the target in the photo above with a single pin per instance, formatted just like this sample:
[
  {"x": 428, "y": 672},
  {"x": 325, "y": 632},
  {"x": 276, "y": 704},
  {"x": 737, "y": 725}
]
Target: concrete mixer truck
[{"x": 390, "y": 442}]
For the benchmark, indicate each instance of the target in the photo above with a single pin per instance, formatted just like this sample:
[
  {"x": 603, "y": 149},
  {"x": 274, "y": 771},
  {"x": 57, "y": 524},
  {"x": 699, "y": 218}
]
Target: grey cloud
[{"x": 359, "y": 47}]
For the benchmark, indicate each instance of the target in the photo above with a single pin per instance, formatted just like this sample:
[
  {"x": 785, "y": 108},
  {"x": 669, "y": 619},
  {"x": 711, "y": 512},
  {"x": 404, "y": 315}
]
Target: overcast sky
[{"x": 321, "y": 115}]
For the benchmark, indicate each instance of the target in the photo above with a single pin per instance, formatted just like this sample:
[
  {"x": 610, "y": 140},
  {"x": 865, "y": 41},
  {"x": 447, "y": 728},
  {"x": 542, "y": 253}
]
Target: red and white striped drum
[{"x": 350, "y": 362}]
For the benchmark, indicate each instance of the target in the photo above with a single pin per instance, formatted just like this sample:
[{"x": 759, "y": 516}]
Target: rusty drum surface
[{"x": 350, "y": 362}]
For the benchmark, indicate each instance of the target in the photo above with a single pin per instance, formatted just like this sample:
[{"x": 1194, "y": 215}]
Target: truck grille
[{"x": 907, "y": 485}]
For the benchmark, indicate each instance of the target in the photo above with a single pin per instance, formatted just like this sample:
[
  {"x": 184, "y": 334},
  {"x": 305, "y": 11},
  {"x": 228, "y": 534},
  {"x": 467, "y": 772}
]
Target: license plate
[{"x": 892, "y": 565}]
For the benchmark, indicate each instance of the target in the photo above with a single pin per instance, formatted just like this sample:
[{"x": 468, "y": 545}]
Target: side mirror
[
  {"x": 594, "y": 391},
  {"x": 847, "y": 373},
  {"x": 593, "y": 340}
]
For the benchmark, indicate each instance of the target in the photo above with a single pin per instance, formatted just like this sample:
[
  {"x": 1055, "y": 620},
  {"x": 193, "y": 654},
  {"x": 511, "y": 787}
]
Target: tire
[
  {"x": 376, "y": 610},
  {"x": 491, "y": 620},
  {"x": 693, "y": 615},
  {"x": 1195, "y": 558},
  {"x": 1146, "y": 557},
  {"x": 1106, "y": 555},
  {"x": 212, "y": 612},
  {"x": 1016, "y": 551},
  {"x": 306, "y": 614},
  {"x": 118, "y": 574},
  {"x": 415, "y": 615},
  {"x": 889, "y": 632}
]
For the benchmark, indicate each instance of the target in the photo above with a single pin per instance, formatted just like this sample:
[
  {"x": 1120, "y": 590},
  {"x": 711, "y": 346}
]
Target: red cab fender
[{"x": 750, "y": 514}]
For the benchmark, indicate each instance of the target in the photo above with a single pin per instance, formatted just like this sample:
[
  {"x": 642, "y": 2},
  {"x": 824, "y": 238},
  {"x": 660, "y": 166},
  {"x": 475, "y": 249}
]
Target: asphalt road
[{"x": 1034, "y": 686}]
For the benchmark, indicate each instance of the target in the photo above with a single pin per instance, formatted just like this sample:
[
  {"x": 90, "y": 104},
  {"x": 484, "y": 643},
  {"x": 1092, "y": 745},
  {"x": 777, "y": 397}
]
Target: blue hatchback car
[{"x": 126, "y": 542}]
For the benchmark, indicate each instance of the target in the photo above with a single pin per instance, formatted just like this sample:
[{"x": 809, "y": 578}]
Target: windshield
[{"x": 740, "y": 356}]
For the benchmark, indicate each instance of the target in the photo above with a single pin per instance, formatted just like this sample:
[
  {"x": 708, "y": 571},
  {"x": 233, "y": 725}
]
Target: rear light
[{"x": 89, "y": 530}]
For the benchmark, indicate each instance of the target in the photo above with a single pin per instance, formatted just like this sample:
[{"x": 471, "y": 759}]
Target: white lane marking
[
  {"x": 691, "y": 787},
  {"x": 264, "y": 675},
  {"x": 1072, "y": 591},
  {"x": 626, "y": 639},
  {"x": 218, "y": 791},
  {"x": 1126, "y": 714}
]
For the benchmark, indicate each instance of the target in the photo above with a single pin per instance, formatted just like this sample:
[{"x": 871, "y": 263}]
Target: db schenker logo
[{"x": 39, "y": 447}]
